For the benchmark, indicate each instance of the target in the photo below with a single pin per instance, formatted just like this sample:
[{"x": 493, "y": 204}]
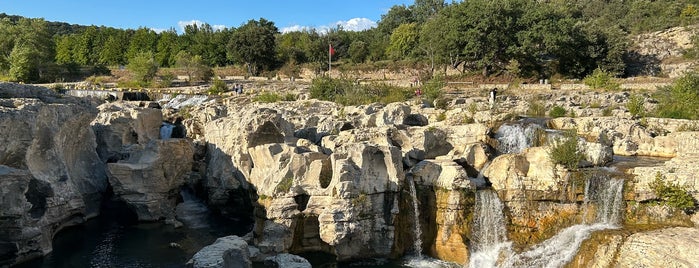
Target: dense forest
[{"x": 523, "y": 38}]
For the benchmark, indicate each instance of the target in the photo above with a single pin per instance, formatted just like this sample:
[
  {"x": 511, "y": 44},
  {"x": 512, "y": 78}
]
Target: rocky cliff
[{"x": 50, "y": 174}]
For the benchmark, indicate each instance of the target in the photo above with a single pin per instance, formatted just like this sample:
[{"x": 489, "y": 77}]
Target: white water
[
  {"x": 192, "y": 212},
  {"x": 480, "y": 179},
  {"x": 491, "y": 249},
  {"x": 417, "y": 246},
  {"x": 513, "y": 139},
  {"x": 166, "y": 131}
]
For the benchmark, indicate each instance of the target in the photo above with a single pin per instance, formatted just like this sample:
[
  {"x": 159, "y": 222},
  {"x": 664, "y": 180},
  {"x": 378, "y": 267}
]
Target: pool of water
[{"x": 116, "y": 239}]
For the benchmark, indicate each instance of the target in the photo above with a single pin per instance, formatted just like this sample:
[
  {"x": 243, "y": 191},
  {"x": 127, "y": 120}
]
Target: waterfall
[
  {"x": 417, "y": 230},
  {"x": 514, "y": 138},
  {"x": 489, "y": 233},
  {"x": 166, "y": 131},
  {"x": 491, "y": 249},
  {"x": 192, "y": 212}
]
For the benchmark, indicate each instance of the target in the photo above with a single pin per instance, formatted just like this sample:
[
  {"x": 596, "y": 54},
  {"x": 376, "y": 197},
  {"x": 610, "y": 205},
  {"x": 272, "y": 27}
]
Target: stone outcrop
[
  {"x": 50, "y": 174},
  {"x": 149, "y": 180},
  {"x": 286, "y": 260},
  {"x": 670, "y": 247},
  {"x": 121, "y": 125},
  {"x": 227, "y": 252}
]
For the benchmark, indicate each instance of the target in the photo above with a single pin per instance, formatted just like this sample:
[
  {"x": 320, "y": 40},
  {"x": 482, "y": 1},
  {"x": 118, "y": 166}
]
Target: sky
[{"x": 162, "y": 15}]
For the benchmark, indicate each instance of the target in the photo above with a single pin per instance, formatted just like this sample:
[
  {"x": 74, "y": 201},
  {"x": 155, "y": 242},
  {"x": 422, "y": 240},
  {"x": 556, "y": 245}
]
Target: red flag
[{"x": 332, "y": 51}]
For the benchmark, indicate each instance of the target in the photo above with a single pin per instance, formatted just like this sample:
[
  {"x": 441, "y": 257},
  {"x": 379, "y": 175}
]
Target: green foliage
[
  {"x": 680, "y": 100},
  {"x": 600, "y": 79},
  {"x": 564, "y": 150},
  {"x": 635, "y": 106},
  {"x": 536, "y": 109},
  {"x": 403, "y": 40},
  {"x": 254, "y": 44},
  {"x": 218, "y": 87},
  {"x": 345, "y": 92},
  {"x": 143, "y": 66},
  {"x": 442, "y": 116},
  {"x": 557, "y": 111},
  {"x": 432, "y": 90},
  {"x": 194, "y": 67},
  {"x": 672, "y": 194},
  {"x": 358, "y": 51},
  {"x": 267, "y": 97},
  {"x": 290, "y": 97},
  {"x": 284, "y": 185},
  {"x": 166, "y": 80}
]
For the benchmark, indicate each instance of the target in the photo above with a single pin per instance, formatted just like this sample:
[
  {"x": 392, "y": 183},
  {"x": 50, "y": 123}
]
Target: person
[
  {"x": 418, "y": 92},
  {"x": 493, "y": 93}
]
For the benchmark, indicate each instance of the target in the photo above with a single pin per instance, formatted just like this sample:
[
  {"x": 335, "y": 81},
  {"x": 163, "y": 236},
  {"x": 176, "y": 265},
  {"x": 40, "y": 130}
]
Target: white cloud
[
  {"x": 294, "y": 28},
  {"x": 184, "y": 23},
  {"x": 158, "y": 30},
  {"x": 355, "y": 24}
]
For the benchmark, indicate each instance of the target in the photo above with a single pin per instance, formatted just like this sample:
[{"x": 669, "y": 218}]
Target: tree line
[{"x": 522, "y": 38}]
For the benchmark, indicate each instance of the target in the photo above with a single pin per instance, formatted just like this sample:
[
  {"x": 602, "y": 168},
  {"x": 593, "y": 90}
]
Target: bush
[
  {"x": 536, "y": 109},
  {"x": 564, "y": 150},
  {"x": 600, "y": 79},
  {"x": 328, "y": 89},
  {"x": 267, "y": 97},
  {"x": 557, "y": 111},
  {"x": 635, "y": 106},
  {"x": 432, "y": 90},
  {"x": 607, "y": 111},
  {"x": 672, "y": 194},
  {"x": 345, "y": 92},
  {"x": 218, "y": 87},
  {"x": 680, "y": 100}
]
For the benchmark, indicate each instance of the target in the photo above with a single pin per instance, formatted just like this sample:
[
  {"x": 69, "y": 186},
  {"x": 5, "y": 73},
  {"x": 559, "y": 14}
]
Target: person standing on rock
[{"x": 493, "y": 93}]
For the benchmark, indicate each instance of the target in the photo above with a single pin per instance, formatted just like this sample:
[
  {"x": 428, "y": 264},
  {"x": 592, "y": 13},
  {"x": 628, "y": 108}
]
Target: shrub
[
  {"x": 328, "y": 89},
  {"x": 218, "y": 87},
  {"x": 564, "y": 150},
  {"x": 536, "y": 108},
  {"x": 557, "y": 111},
  {"x": 607, "y": 111},
  {"x": 679, "y": 100},
  {"x": 267, "y": 97},
  {"x": 432, "y": 90},
  {"x": 635, "y": 106},
  {"x": 284, "y": 185},
  {"x": 290, "y": 97},
  {"x": 600, "y": 79},
  {"x": 441, "y": 116},
  {"x": 688, "y": 127},
  {"x": 672, "y": 194},
  {"x": 345, "y": 92}
]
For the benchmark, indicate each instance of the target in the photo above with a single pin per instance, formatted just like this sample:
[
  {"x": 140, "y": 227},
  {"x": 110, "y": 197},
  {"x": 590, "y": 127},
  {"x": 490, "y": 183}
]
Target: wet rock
[
  {"x": 226, "y": 252},
  {"x": 286, "y": 260}
]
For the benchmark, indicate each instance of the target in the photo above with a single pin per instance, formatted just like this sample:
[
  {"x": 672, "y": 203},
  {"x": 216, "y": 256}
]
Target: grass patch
[
  {"x": 557, "y": 111},
  {"x": 536, "y": 109}
]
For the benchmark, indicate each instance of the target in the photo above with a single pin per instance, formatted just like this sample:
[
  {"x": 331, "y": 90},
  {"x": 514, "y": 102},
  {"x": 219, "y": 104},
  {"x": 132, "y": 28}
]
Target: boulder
[
  {"x": 150, "y": 179},
  {"x": 286, "y": 260},
  {"x": 120, "y": 125},
  {"x": 227, "y": 252}
]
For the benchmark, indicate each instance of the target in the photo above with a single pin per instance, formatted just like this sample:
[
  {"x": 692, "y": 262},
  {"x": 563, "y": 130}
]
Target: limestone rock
[
  {"x": 150, "y": 179},
  {"x": 286, "y": 260},
  {"x": 226, "y": 252},
  {"x": 123, "y": 124},
  {"x": 669, "y": 247},
  {"x": 50, "y": 175},
  {"x": 445, "y": 174}
]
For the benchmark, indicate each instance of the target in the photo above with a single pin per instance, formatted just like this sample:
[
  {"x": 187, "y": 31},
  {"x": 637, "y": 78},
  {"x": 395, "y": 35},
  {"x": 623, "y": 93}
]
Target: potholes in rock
[
  {"x": 326, "y": 174},
  {"x": 302, "y": 201},
  {"x": 267, "y": 133},
  {"x": 36, "y": 194}
]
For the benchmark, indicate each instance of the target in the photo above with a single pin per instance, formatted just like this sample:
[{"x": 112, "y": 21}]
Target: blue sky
[{"x": 160, "y": 15}]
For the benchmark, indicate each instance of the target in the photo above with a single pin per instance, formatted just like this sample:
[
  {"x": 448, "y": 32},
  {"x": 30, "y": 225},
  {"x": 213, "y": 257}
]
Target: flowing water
[
  {"x": 492, "y": 249},
  {"x": 417, "y": 246},
  {"x": 166, "y": 131},
  {"x": 514, "y": 138}
]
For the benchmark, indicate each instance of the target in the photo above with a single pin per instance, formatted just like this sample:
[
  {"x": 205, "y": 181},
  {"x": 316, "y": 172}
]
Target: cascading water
[
  {"x": 489, "y": 233},
  {"x": 491, "y": 249},
  {"x": 166, "y": 131},
  {"x": 417, "y": 230},
  {"x": 192, "y": 212},
  {"x": 514, "y": 138}
]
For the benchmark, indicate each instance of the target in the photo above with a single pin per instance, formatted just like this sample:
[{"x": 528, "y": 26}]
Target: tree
[
  {"x": 143, "y": 66},
  {"x": 423, "y": 10},
  {"x": 114, "y": 49},
  {"x": 396, "y": 16},
  {"x": 403, "y": 40},
  {"x": 23, "y": 64},
  {"x": 167, "y": 48},
  {"x": 254, "y": 45},
  {"x": 358, "y": 51},
  {"x": 194, "y": 66},
  {"x": 143, "y": 40}
]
